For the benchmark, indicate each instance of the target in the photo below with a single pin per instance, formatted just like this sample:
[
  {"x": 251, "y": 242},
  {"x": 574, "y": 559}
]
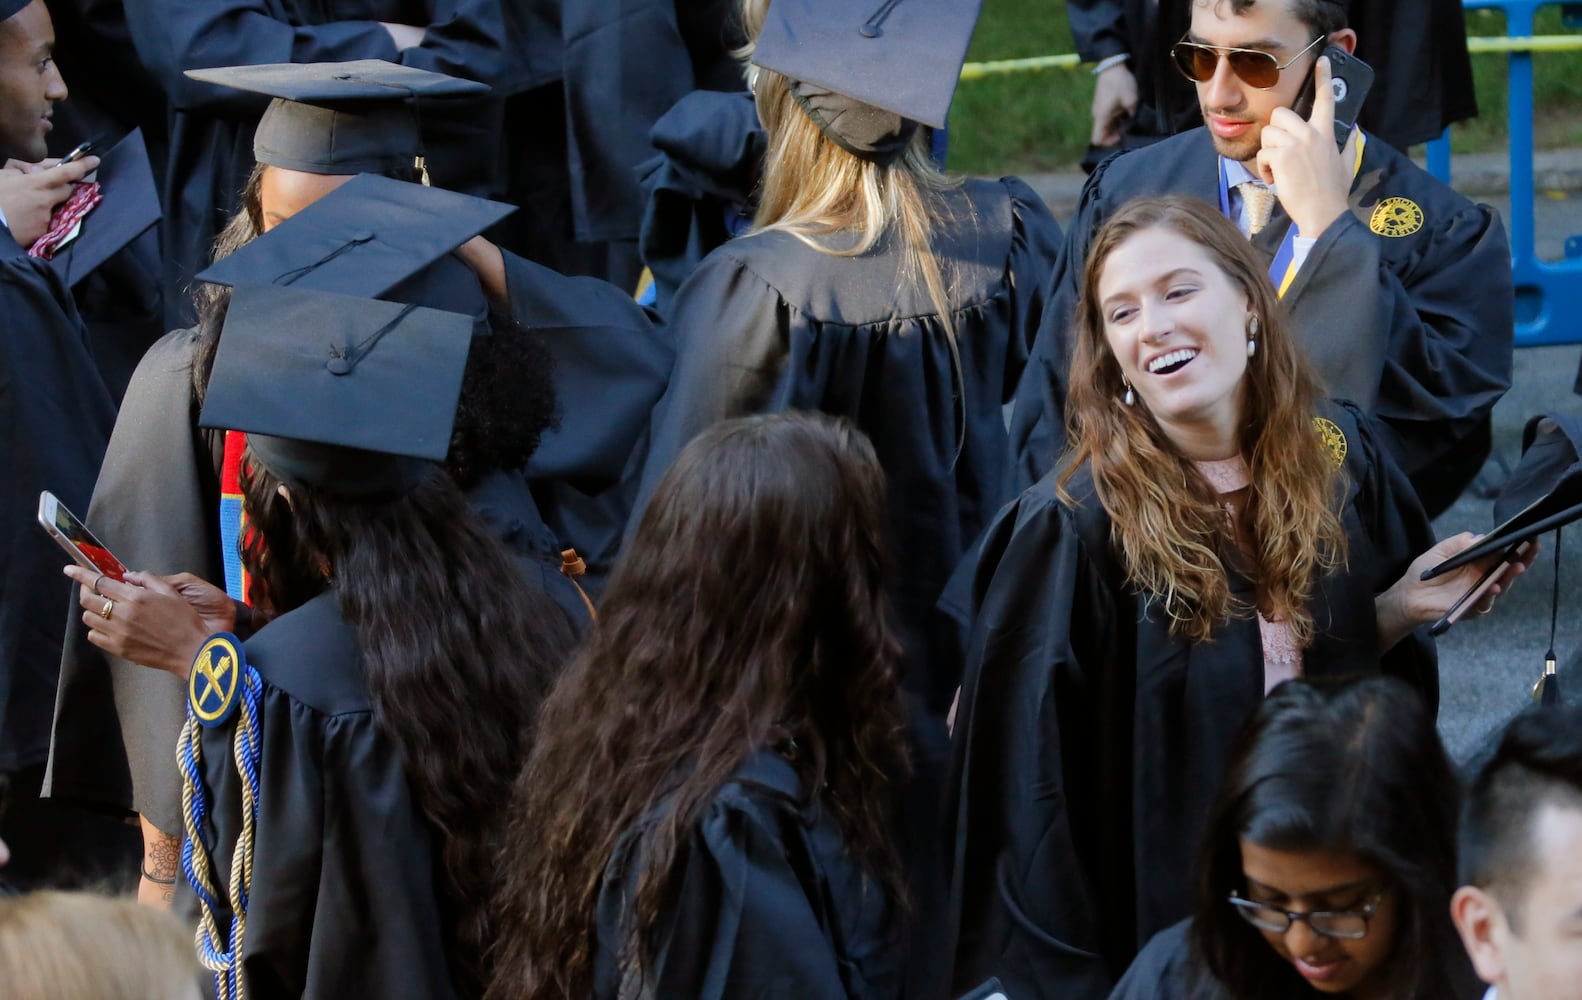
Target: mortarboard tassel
[{"x": 1547, "y": 690}]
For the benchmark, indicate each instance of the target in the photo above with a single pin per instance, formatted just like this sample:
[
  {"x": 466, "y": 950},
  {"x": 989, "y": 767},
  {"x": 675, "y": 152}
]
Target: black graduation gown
[
  {"x": 156, "y": 506},
  {"x": 1168, "y": 969},
  {"x": 767, "y": 902},
  {"x": 211, "y": 127},
  {"x": 626, "y": 63},
  {"x": 57, "y": 416},
  {"x": 1417, "y": 328},
  {"x": 1089, "y": 743},
  {"x": 611, "y": 362},
  {"x": 767, "y": 323},
  {"x": 346, "y": 899},
  {"x": 1145, "y": 30},
  {"x": 697, "y": 192}
]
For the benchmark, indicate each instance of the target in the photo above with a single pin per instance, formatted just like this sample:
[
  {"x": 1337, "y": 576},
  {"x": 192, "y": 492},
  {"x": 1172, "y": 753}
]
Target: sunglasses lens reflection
[{"x": 1198, "y": 62}]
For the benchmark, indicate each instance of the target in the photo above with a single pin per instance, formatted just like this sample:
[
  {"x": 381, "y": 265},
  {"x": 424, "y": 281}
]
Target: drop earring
[
  {"x": 1130, "y": 397},
  {"x": 1252, "y": 336}
]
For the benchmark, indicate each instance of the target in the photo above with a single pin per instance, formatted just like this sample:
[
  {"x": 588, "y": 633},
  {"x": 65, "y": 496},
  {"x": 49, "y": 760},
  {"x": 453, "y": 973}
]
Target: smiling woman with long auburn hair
[{"x": 1217, "y": 528}]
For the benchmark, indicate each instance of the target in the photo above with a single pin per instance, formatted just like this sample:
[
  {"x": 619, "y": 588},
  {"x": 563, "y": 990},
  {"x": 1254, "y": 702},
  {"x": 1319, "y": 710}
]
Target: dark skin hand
[{"x": 159, "y": 622}]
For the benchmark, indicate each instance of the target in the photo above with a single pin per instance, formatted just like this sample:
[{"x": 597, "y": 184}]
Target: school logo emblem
[
  {"x": 1396, "y": 217},
  {"x": 1334, "y": 439},
  {"x": 215, "y": 681}
]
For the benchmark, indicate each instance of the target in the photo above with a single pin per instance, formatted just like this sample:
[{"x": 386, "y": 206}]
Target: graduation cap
[
  {"x": 1543, "y": 493},
  {"x": 9, "y": 8},
  {"x": 348, "y": 396},
  {"x": 372, "y": 237},
  {"x": 341, "y": 117},
  {"x": 130, "y": 207},
  {"x": 903, "y": 57}
]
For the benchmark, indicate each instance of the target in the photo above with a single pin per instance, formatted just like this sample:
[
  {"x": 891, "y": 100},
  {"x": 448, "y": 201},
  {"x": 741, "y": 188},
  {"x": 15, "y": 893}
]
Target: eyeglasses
[
  {"x": 1347, "y": 925},
  {"x": 1255, "y": 67}
]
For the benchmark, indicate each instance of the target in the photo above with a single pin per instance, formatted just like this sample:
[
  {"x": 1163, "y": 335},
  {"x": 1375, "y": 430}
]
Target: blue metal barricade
[{"x": 1548, "y": 293}]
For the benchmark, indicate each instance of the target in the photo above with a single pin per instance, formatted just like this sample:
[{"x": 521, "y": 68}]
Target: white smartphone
[{"x": 73, "y": 536}]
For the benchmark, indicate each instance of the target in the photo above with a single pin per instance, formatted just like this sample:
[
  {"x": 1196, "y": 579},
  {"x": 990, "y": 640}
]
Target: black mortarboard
[
  {"x": 129, "y": 208},
  {"x": 902, "y": 56},
  {"x": 362, "y": 239},
  {"x": 348, "y": 396},
  {"x": 1544, "y": 491},
  {"x": 339, "y": 118},
  {"x": 11, "y": 7}
]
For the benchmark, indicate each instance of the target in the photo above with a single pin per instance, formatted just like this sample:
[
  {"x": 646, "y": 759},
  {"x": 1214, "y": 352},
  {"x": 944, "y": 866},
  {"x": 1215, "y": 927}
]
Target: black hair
[
  {"x": 1321, "y": 16},
  {"x": 1346, "y": 766},
  {"x": 1538, "y": 763}
]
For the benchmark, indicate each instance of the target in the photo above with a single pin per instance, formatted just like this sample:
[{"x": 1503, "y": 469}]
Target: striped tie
[{"x": 1259, "y": 203}]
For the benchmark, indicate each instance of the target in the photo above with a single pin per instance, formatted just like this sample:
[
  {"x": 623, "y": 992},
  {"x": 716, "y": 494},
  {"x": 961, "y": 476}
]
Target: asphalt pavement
[{"x": 1488, "y": 665}]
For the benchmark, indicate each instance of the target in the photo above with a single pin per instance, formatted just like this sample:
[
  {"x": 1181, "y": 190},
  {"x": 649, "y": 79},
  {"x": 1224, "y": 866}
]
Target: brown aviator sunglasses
[{"x": 1255, "y": 67}]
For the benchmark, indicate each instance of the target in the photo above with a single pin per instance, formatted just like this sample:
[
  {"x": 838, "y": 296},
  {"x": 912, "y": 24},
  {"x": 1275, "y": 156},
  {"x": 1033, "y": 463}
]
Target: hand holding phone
[
  {"x": 73, "y": 536},
  {"x": 83, "y": 149},
  {"x": 1298, "y": 157}
]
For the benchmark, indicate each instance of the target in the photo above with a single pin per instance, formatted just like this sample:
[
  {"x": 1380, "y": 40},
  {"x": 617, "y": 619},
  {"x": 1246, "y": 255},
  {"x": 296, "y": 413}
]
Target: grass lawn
[{"x": 1032, "y": 122}]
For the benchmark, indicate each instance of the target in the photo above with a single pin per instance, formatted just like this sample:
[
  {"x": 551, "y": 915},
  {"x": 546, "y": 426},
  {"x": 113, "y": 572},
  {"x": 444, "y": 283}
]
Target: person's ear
[
  {"x": 1483, "y": 928},
  {"x": 1345, "y": 38}
]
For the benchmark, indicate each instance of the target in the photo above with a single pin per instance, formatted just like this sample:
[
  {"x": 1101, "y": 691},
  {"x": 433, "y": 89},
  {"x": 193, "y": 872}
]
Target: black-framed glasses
[
  {"x": 1256, "y": 68},
  {"x": 1347, "y": 925}
]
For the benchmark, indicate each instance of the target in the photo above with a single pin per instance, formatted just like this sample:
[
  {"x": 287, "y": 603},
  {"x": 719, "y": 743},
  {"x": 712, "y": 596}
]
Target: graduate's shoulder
[
  {"x": 1183, "y": 163},
  {"x": 1404, "y": 200},
  {"x": 1168, "y": 969},
  {"x": 311, "y": 654}
]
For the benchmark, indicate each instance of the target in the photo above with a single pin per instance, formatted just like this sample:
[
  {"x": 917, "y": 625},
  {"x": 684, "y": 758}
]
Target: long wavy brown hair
[
  {"x": 458, "y": 649},
  {"x": 747, "y": 611},
  {"x": 1167, "y": 520}
]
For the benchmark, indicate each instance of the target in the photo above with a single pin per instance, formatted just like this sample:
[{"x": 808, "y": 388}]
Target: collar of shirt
[{"x": 1490, "y": 995}]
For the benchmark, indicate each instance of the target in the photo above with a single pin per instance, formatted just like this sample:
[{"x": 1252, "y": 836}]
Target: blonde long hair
[
  {"x": 812, "y": 187},
  {"x": 1167, "y": 521},
  {"x": 75, "y": 945}
]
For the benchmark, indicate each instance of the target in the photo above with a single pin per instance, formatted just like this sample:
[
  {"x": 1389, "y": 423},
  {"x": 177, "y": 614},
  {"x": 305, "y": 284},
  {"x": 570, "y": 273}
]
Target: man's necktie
[{"x": 1259, "y": 202}]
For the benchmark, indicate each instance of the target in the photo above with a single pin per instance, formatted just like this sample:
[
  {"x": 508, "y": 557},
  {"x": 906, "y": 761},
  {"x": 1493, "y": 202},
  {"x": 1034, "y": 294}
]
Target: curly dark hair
[
  {"x": 747, "y": 610},
  {"x": 458, "y": 649},
  {"x": 507, "y": 403},
  {"x": 1355, "y": 766}
]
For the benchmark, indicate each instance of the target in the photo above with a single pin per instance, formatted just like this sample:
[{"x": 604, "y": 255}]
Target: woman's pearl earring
[
  {"x": 1130, "y": 397},
  {"x": 1252, "y": 336}
]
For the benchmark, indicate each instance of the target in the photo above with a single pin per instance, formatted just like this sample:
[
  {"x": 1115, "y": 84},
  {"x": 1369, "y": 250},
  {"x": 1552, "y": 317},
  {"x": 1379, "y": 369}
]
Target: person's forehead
[
  {"x": 1148, "y": 254},
  {"x": 1267, "y": 24},
  {"x": 28, "y": 30},
  {"x": 1557, "y": 850}
]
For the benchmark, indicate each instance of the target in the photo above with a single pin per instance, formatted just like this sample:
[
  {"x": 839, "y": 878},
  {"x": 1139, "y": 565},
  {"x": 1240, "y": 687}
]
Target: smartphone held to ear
[
  {"x": 73, "y": 536},
  {"x": 1350, "y": 79}
]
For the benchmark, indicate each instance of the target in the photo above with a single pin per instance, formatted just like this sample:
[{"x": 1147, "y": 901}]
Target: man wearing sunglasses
[{"x": 1400, "y": 287}]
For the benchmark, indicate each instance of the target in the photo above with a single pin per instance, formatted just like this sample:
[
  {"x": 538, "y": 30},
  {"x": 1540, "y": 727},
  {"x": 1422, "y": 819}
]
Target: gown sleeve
[
  {"x": 173, "y": 36},
  {"x": 741, "y": 924},
  {"x": 733, "y": 335},
  {"x": 156, "y": 506},
  {"x": 611, "y": 362},
  {"x": 1037, "y": 429},
  {"x": 1026, "y": 819},
  {"x": 1422, "y": 353},
  {"x": 1397, "y": 531},
  {"x": 1098, "y": 28},
  {"x": 56, "y": 415},
  {"x": 343, "y": 899},
  {"x": 1035, "y": 247}
]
